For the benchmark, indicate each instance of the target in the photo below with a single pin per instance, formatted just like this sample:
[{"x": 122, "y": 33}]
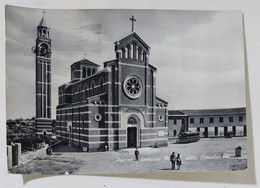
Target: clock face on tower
[
  {"x": 133, "y": 87},
  {"x": 43, "y": 50}
]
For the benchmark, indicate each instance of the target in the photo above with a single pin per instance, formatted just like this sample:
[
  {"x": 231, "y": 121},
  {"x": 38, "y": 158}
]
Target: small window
[
  {"x": 241, "y": 118},
  {"x": 160, "y": 117},
  {"x": 132, "y": 121},
  {"x": 201, "y": 120},
  {"x": 231, "y": 119},
  {"x": 191, "y": 120},
  {"x": 221, "y": 120},
  {"x": 175, "y": 121},
  {"x": 97, "y": 117},
  {"x": 211, "y": 120}
]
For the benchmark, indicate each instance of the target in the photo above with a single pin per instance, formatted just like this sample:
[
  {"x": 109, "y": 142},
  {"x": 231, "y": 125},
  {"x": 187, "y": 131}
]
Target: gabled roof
[
  {"x": 135, "y": 36},
  {"x": 43, "y": 23},
  {"x": 86, "y": 62},
  {"x": 161, "y": 100}
]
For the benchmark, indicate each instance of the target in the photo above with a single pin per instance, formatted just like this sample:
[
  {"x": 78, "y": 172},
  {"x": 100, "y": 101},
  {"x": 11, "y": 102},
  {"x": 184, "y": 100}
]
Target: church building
[{"x": 114, "y": 106}]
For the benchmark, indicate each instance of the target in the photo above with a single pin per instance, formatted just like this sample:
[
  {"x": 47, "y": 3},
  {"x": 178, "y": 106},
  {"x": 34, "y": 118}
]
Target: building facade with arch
[{"x": 116, "y": 106}]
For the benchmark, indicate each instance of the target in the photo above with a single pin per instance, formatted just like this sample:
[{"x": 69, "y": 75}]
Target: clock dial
[{"x": 43, "y": 50}]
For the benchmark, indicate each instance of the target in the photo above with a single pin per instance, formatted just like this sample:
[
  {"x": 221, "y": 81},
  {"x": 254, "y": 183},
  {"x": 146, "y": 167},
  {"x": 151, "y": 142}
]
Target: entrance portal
[{"x": 131, "y": 137}]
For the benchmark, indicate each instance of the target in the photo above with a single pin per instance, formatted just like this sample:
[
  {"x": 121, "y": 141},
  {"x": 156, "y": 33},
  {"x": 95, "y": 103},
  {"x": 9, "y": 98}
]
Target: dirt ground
[{"x": 209, "y": 154}]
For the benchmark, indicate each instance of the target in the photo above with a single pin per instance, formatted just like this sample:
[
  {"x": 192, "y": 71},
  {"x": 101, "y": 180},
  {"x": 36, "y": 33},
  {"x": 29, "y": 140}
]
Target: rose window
[{"x": 133, "y": 87}]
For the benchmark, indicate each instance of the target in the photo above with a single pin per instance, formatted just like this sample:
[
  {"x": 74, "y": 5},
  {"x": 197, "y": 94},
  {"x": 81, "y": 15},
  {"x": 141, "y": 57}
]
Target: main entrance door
[{"x": 131, "y": 137}]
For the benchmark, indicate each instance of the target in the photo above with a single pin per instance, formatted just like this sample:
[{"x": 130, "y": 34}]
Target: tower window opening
[
  {"x": 134, "y": 50},
  {"x": 123, "y": 53},
  {"x": 144, "y": 57},
  {"x": 89, "y": 72},
  {"x": 129, "y": 51},
  {"x": 84, "y": 72},
  {"x": 139, "y": 53}
]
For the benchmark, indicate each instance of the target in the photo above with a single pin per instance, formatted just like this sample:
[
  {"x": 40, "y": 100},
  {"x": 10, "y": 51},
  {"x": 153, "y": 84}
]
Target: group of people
[{"x": 176, "y": 161}]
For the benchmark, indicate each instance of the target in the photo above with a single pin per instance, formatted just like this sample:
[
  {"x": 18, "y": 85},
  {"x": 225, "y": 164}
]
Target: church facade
[{"x": 115, "y": 106}]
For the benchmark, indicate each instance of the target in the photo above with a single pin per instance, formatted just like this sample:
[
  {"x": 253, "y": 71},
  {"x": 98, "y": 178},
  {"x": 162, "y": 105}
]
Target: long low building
[{"x": 209, "y": 122}]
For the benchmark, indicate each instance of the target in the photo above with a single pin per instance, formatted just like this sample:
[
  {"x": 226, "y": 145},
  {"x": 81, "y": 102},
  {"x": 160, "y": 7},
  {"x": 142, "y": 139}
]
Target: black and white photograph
[{"x": 116, "y": 91}]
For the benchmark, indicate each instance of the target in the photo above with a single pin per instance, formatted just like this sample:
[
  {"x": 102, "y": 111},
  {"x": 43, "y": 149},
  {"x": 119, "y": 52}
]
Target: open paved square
[{"x": 209, "y": 154}]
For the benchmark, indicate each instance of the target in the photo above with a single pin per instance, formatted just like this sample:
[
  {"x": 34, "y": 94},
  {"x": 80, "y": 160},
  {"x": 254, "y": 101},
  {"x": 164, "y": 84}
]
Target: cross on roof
[
  {"x": 133, "y": 20},
  {"x": 85, "y": 55},
  {"x": 43, "y": 12}
]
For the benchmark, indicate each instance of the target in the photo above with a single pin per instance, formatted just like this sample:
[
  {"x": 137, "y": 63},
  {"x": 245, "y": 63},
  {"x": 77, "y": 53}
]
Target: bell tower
[{"x": 42, "y": 52}]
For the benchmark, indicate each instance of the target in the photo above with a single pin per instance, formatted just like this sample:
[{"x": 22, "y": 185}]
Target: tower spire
[{"x": 43, "y": 22}]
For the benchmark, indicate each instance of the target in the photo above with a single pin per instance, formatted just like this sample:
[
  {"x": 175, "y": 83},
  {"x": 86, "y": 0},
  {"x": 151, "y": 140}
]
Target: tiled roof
[
  {"x": 86, "y": 62},
  {"x": 224, "y": 111},
  {"x": 175, "y": 113}
]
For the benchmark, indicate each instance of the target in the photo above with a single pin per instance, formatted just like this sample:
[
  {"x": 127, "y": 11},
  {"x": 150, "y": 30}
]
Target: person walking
[
  {"x": 172, "y": 159},
  {"x": 137, "y": 154},
  {"x": 178, "y": 161},
  {"x": 106, "y": 146}
]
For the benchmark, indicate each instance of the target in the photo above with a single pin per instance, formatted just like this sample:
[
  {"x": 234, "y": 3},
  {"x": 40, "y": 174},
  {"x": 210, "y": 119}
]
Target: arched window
[
  {"x": 134, "y": 50},
  {"x": 44, "y": 33},
  {"x": 144, "y": 57},
  {"x": 93, "y": 71},
  {"x": 39, "y": 32},
  {"x": 132, "y": 121},
  {"x": 84, "y": 72},
  {"x": 92, "y": 88},
  {"x": 101, "y": 82},
  {"x": 86, "y": 90},
  {"x": 123, "y": 53},
  {"x": 128, "y": 51},
  {"x": 73, "y": 94},
  {"x": 78, "y": 93},
  {"x": 139, "y": 53},
  {"x": 89, "y": 72}
]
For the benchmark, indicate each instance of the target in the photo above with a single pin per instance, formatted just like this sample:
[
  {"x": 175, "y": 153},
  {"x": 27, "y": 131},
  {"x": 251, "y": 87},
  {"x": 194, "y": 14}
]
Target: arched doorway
[
  {"x": 133, "y": 122},
  {"x": 132, "y": 132},
  {"x": 174, "y": 133}
]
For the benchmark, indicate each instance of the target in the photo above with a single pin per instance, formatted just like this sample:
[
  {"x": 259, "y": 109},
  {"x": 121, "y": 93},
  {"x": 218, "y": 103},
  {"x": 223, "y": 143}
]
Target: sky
[{"x": 199, "y": 55}]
